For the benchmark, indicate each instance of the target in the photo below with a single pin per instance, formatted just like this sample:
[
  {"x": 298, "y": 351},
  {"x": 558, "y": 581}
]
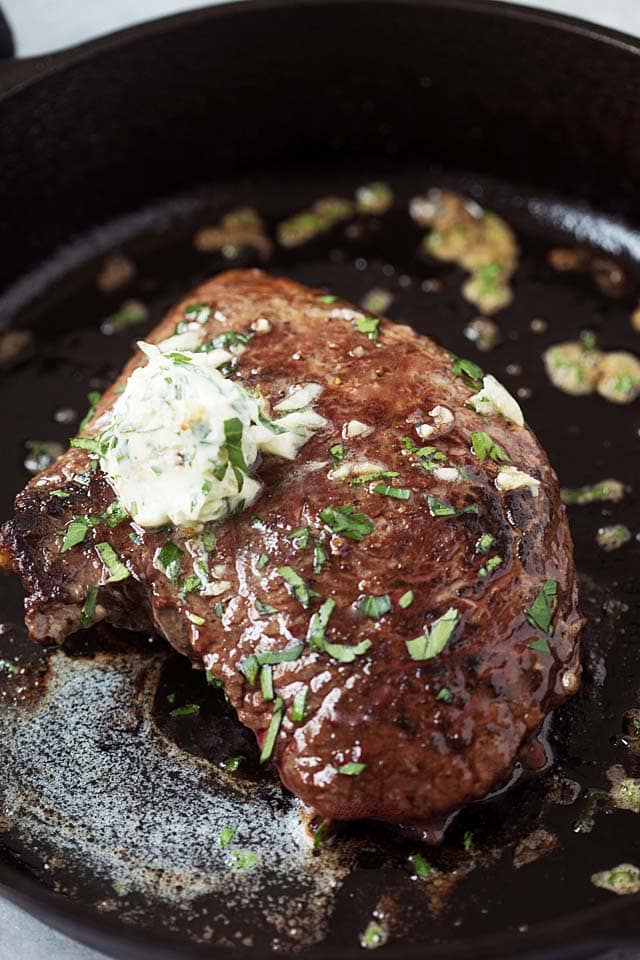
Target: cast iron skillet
[{"x": 130, "y": 143}]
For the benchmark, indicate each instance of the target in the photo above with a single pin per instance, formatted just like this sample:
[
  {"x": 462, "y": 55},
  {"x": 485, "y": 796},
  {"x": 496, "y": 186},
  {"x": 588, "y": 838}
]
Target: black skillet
[{"x": 132, "y": 142}]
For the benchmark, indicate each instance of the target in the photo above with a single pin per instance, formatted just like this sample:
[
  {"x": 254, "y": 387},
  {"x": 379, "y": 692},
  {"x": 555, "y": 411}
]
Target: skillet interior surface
[
  {"x": 91, "y": 752},
  {"x": 117, "y": 805}
]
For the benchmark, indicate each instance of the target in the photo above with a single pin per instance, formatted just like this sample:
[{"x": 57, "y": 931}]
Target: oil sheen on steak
[{"x": 426, "y": 736}]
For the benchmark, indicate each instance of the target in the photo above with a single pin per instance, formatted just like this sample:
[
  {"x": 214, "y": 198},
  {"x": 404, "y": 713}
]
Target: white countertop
[{"x": 40, "y": 26}]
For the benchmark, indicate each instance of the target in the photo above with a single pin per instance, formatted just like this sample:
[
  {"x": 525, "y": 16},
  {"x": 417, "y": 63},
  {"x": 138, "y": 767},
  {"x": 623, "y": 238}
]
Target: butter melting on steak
[{"x": 396, "y": 614}]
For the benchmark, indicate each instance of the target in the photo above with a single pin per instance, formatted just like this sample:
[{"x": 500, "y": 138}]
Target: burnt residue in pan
[{"x": 127, "y": 782}]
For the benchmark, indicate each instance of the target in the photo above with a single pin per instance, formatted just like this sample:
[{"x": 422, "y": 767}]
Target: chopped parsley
[
  {"x": 191, "y": 583},
  {"x": 540, "y": 613},
  {"x": 368, "y": 325},
  {"x": 94, "y": 399},
  {"x": 197, "y": 312},
  {"x": 230, "y": 338},
  {"x": 130, "y": 315},
  {"x": 440, "y": 508},
  {"x": 300, "y": 538},
  {"x": 488, "y": 275},
  {"x": 375, "y": 607},
  {"x": 421, "y": 867},
  {"x": 327, "y": 298},
  {"x": 74, "y": 534},
  {"x": 10, "y": 666},
  {"x": 187, "y": 710},
  {"x": 345, "y": 653},
  {"x": 226, "y": 836},
  {"x": 319, "y": 557},
  {"x": 377, "y": 475},
  {"x": 265, "y": 609},
  {"x": 470, "y": 372},
  {"x": 244, "y": 859},
  {"x": 272, "y": 731},
  {"x": 492, "y": 564},
  {"x": 373, "y": 936},
  {"x": 178, "y": 357},
  {"x": 169, "y": 559},
  {"x": 211, "y": 680},
  {"x": 299, "y": 706},
  {"x": 114, "y": 514},
  {"x": 250, "y": 668},
  {"x": 208, "y": 539},
  {"x": 433, "y": 641},
  {"x": 60, "y": 494},
  {"x": 541, "y": 644},
  {"x": 483, "y": 446},
  {"x": 288, "y": 655},
  {"x": 89, "y": 607},
  {"x": 113, "y": 563},
  {"x": 320, "y": 835},
  {"x": 266, "y": 682},
  {"x": 233, "y": 449},
  {"x": 352, "y": 769},
  {"x": 485, "y": 543},
  {"x": 337, "y": 452},
  {"x": 195, "y": 619},
  {"x": 300, "y": 590},
  {"x": 346, "y": 522},
  {"x": 397, "y": 493},
  {"x": 406, "y": 600},
  {"x": 232, "y": 763},
  {"x": 316, "y": 637},
  {"x": 262, "y": 561},
  {"x": 467, "y": 840},
  {"x": 318, "y": 625},
  {"x": 91, "y": 444},
  {"x": 444, "y": 695}
]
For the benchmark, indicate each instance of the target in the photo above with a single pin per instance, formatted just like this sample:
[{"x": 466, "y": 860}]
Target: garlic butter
[{"x": 182, "y": 441}]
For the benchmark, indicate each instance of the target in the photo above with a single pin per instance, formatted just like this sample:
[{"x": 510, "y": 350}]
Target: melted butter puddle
[{"x": 87, "y": 776}]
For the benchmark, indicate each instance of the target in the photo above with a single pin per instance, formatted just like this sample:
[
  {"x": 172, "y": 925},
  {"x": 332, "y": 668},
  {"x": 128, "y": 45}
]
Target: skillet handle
[{"x": 7, "y": 48}]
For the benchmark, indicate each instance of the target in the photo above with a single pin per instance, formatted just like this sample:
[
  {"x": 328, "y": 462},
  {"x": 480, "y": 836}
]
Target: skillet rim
[{"x": 104, "y": 933}]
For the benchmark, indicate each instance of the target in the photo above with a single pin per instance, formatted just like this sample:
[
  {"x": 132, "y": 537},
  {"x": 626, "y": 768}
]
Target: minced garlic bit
[
  {"x": 318, "y": 219},
  {"x": 375, "y": 198},
  {"x": 510, "y": 478},
  {"x": 623, "y": 879},
  {"x": 482, "y": 331},
  {"x": 625, "y": 791},
  {"x": 181, "y": 441},
  {"x": 605, "y": 491},
  {"x": 494, "y": 398},
  {"x": 356, "y": 468},
  {"x": 572, "y": 368},
  {"x": 377, "y": 300},
  {"x": 579, "y": 369},
  {"x": 619, "y": 379},
  {"x": 299, "y": 397},
  {"x": 446, "y": 474},
  {"x": 478, "y": 240},
  {"x": 262, "y": 325},
  {"x": 443, "y": 420},
  {"x": 356, "y": 428},
  {"x": 238, "y": 229},
  {"x": 116, "y": 272},
  {"x": 613, "y": 537}
]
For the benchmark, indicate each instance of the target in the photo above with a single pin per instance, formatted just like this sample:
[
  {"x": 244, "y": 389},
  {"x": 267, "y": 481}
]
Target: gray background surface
[{"x": 40, "y": 26}]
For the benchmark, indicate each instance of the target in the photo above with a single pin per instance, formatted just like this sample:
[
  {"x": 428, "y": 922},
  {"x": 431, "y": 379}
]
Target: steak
[{"x": 397, "y": 613}]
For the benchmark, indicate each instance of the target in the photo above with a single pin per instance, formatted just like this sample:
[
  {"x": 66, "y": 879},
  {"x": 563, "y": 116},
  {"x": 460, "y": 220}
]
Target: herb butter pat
[{"x": 182, "y": 441}]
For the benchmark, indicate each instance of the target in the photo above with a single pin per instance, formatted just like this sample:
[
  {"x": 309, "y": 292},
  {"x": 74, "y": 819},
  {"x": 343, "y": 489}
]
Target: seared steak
[{"x": 425, "y": 595}]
